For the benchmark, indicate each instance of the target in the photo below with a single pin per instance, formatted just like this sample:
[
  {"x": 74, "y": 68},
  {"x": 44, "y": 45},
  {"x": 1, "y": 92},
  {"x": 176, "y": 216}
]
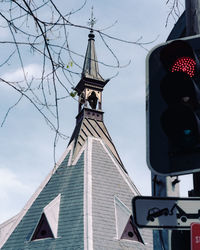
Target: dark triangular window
[
  {"x": 42, "y": 230},
  {"x": 131, "y": 232}
]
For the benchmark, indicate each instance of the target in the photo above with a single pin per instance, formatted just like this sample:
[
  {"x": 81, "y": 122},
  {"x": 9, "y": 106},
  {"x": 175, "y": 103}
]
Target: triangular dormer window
[
  {"x": 43, "y": 229},
  {"x": 124, "y": 223},
  {"x": 131, "y": 232},
  {"x": 47, "y": 226}
]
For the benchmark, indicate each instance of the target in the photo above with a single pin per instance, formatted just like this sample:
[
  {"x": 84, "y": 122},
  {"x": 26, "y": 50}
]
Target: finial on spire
[{"x": 92, "y": 20}]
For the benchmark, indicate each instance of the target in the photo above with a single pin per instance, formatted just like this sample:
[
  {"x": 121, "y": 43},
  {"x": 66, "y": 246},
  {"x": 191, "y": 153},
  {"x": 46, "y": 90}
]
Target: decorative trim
[
  {"x": 71, "y": 147},
  {"x": 88, "y": 228},
  {"x": 74, "y": 162}
]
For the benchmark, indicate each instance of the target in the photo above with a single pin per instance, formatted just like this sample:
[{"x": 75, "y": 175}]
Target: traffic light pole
[
  {"x": 192, "y": 10},
  {"x": 163, "y": 187},
  {"x": 166, "y": 186},
  {"x": 195, "y": 192}
]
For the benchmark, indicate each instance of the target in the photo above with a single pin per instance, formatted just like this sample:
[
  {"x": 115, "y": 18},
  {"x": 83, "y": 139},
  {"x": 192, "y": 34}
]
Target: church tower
[{"x": 85, "y": 202}]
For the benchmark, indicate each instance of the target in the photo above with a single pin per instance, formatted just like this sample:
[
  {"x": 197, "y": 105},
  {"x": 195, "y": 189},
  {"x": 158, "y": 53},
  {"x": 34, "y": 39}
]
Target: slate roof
[
  {"x": 67, "y": 181},
  {"x": 110, "y": 181},
  {"x": 88, "y": 186}
]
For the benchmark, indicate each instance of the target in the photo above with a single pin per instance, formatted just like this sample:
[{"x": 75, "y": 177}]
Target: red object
[
  {"x": 195, "y": 236},
  {"x": 185, "y": 64}
]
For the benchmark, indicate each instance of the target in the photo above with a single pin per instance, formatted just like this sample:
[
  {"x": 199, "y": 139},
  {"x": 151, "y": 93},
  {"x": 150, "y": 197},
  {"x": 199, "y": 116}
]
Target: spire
[
  {"x": 91, "y": 84},
  {"x": 90, "y": 66}
]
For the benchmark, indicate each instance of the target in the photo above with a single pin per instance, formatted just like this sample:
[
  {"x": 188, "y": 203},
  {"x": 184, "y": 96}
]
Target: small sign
[
  {"x": 195, "y": 236},
  {"x": 166, "y": 212}
]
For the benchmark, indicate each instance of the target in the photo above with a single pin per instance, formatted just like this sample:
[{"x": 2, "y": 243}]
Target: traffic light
[{"x": 173, "y": 107}]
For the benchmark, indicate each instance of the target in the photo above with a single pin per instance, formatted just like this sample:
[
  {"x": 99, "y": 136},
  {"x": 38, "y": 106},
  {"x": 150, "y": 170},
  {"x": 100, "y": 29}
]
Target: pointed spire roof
[{"x": 90, "y": 66}]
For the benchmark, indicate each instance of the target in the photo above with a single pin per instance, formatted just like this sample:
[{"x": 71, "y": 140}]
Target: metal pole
[
  {"x": 192, "y": 9},
  {"x": 163, "y": 187},
  {"x": 181, "y": 239}
]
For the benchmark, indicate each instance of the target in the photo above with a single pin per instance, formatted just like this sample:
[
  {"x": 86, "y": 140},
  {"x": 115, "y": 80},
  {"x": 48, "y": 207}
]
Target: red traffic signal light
[
  {"x": 184, "y": 64},
  {"x": 173, "y": 108},
  {"x": 179, "y": 56}
]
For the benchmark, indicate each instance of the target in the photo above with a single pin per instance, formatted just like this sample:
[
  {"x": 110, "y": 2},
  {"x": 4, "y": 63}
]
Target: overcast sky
[{"x": 26, "y": 142}]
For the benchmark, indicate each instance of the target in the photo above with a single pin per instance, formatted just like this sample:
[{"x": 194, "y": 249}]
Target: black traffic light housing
[{"x": 173, "y": 107}]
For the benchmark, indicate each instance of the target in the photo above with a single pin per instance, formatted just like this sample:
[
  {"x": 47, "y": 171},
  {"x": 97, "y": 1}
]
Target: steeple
[
  {"x": 91, "y": 84},
  {"x": 85, "y": 201},
  {"x": 89, "y": 121}
]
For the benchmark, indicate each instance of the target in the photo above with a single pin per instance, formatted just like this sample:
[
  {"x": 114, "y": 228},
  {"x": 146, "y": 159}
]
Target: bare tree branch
[
  {"x": 47, "y": 38},
  {"x": 174, "y": 10}
]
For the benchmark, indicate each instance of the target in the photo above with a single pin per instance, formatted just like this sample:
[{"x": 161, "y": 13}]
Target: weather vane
[{"x": 92, "y": 20}]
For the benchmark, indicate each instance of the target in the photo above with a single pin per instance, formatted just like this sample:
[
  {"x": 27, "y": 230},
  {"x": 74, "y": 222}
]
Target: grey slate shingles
[
  {"x": 107, "y": 181},
  {"x": 70, "y": 229}
]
